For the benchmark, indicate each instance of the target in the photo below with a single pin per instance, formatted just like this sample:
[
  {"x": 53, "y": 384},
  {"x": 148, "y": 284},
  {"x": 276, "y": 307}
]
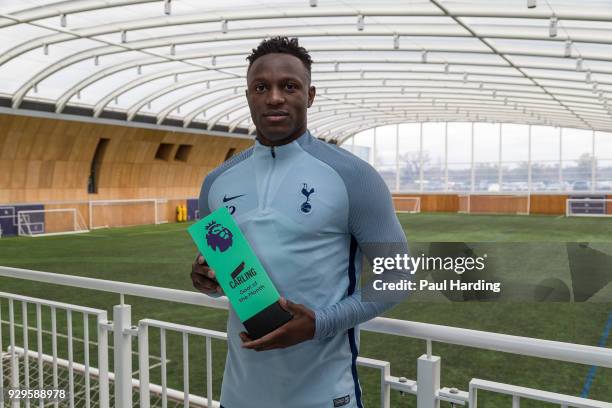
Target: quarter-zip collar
[
  {"x": 272, "y": 164},
  {"x": 280, "y": 152}
]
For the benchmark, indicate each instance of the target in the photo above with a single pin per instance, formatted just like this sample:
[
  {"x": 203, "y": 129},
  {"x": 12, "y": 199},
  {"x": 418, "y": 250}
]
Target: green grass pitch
[{"x": 161, "y": 256}]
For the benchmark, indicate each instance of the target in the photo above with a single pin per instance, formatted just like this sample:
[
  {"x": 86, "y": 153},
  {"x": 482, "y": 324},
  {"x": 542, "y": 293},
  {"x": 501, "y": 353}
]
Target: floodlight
[
  {"x": 552, "y": 29},
  {"x": 579, "y": 64},
  {"x": 360, "y": 23}
]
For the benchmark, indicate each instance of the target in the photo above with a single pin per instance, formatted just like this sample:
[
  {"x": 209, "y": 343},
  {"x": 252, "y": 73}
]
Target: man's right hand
[{"x": 203, "y": 277}]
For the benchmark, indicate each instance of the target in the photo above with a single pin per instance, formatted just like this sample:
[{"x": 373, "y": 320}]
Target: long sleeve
[{"x": 374, "y": 227}]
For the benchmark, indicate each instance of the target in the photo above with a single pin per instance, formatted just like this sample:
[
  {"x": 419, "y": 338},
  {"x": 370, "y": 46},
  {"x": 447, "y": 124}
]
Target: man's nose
[{"x": 275, "y": 96}]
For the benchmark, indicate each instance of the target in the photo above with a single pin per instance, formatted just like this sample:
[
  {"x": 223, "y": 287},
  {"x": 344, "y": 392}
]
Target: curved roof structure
[{"x": 182, "y": 62}]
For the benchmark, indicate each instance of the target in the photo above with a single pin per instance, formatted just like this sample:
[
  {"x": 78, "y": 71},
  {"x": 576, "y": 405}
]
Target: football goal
[
  {"x": 494, "y": 204},
  {"x": 123, "y": 213},
  {"x": 410, "y": 205},
  {"x": 588, "y": 207},
  {"x": 55, "y": 221}
]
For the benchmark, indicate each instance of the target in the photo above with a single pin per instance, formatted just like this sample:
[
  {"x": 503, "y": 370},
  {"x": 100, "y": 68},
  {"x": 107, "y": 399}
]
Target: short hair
[{"x": 281, "y": 45}]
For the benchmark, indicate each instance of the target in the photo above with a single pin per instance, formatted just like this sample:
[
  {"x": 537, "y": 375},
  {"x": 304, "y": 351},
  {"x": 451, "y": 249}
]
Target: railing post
[
  {"x": 385, "y": 388},
  {"x": 14, "y": 376},
  {"x": 143, "y": 365},
  {"x": 103, "y": 392},
  {"x": 122, "y": 322},
  {"x": 428, "y": 381}
]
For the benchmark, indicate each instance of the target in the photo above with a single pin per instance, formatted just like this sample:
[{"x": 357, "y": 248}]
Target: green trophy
[{"x": 239, "y": 273}]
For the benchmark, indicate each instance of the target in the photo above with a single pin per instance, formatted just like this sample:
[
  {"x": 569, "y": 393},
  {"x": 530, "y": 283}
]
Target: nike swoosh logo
[{"x": 226, "y": 198}]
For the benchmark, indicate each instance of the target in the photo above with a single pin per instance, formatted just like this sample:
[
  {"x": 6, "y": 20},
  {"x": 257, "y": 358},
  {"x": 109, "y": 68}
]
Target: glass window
[
  {"x": 459, "y": 177},
  {"x": 459, "y": 142},
  {"x": 577, "y": 159},
  {"x": 409, "y": 164},
  {"x": 515, "y": 152},
  {"x": 603, "y": 154},
  {"x": 386, "y": 154},
  {"x": 433, "y": 157},
  {"x": 364, "y": 144},
  {"x": 486, "y": 157}
]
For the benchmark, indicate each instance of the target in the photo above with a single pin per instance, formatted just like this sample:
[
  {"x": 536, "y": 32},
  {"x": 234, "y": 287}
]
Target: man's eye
[
  {"x": 260, "y": 88},
  {"x": 290, "y": 87}
]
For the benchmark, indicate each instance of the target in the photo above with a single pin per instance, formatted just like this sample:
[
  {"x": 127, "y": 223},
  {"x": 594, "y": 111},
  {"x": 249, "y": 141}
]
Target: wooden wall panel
[
  {"x": 436, "y": 202},
  {"x": 548, "y": 204},
  {"x": 45, "y": 160},
  {"x": 540, "y": 204}
]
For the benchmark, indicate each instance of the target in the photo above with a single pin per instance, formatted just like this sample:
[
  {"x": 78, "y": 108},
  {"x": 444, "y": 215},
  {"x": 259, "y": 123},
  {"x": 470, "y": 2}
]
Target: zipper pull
[{"x": 272, "y": 152}]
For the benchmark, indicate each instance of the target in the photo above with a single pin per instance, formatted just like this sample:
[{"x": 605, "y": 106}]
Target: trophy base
[{"x": 267, "y": 320}]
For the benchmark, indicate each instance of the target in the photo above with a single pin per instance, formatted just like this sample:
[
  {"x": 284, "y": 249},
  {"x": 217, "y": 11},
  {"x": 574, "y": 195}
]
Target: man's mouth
[{"x": 275, "y": 116}]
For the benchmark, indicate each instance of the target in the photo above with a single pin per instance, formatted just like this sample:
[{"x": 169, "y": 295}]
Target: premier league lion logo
[{"x": 218, "y": 237}]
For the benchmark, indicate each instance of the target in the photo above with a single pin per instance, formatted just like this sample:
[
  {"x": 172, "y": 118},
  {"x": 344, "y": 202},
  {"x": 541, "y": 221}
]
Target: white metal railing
[
  {"x": 427, "y": 387},
  {"x": 100, "y": 315}
]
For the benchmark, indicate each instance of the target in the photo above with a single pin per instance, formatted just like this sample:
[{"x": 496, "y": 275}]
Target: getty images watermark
[
  {"x": 487, "y": 271},
  {"x": 410, "y": 265}
]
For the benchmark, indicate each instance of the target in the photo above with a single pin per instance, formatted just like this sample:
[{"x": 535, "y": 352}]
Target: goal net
[
  {"x": 494, "y": 204},
  {"x": 588, "y": 207},
  {"x": 410, "y": 205},
  {"x": 123, "y": 213},
  {"x": 56, "y": 221}
]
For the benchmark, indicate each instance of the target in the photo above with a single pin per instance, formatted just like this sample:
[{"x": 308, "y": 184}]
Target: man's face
[{"x": 279, "y": 93}]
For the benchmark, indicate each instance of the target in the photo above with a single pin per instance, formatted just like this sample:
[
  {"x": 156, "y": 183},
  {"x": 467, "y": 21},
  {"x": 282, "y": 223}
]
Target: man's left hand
[{"x": 299, "y": 329}]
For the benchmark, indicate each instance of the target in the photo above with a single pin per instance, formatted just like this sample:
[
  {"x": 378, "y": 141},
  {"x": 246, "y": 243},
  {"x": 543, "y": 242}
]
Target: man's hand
[
  {"x": 299, "y": 329},
  {"x": 203, "y": 277}
]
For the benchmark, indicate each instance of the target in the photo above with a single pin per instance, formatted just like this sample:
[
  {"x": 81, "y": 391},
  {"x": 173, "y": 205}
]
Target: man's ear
[{"x": 312, "y": 91}]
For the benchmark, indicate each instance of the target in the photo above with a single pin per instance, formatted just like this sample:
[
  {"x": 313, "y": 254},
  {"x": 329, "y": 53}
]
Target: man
[{"x": 308, "y": 209}]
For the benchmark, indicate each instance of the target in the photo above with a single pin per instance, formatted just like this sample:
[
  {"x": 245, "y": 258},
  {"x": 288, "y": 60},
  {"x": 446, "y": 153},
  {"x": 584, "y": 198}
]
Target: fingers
[
  {"x": 270, "y": 341},
  {"x": 203, "y": 284},
  {"x": 203, "y": 269},
  {"x": 204, "y": 278},
  {"x": 289, "y": 306}
]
